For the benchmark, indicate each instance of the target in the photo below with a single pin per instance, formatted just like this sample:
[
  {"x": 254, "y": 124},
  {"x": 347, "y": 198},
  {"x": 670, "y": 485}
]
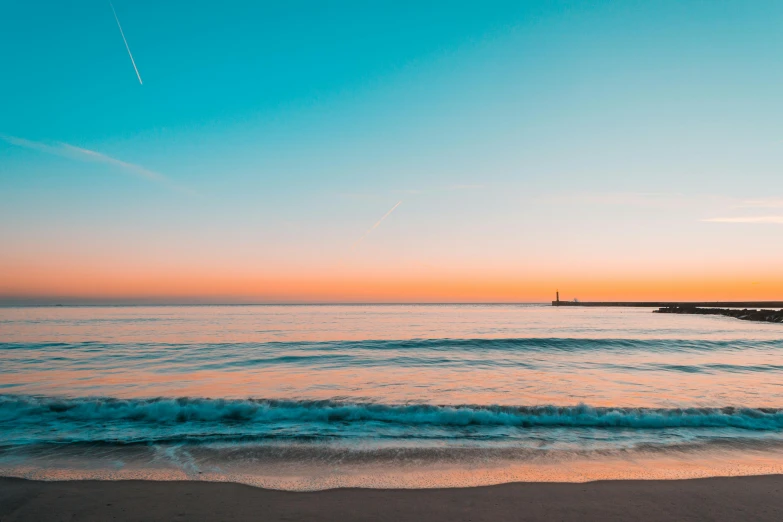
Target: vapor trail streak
[
  {"x": 376, "y": 224},
  {"x": 126, "y": 44}
]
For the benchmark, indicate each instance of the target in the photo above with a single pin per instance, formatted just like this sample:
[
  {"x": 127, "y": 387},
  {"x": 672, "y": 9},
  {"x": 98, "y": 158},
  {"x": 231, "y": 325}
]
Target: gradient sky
[{"x": 623, "y": 150}]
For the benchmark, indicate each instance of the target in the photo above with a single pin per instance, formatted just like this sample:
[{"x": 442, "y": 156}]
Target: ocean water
[{"x": 311, "y": 397}]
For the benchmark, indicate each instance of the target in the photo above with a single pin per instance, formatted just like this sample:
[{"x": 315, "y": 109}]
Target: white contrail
[
  {"x": 126, "y": 44},
  {"x": 376, "y": 224}
]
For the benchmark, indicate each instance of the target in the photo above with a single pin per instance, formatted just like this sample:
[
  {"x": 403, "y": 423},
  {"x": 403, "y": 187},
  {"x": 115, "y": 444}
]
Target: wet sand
[{"x": 714, "y": 499}]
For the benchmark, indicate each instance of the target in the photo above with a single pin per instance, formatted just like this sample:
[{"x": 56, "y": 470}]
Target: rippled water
[{"x": 305, "y": 397}]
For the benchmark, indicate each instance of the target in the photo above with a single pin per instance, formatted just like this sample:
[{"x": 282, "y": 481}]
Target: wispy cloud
[
  {"x": 775, "y": 220},
  {"x": 80, "y": 154},
  {"x": 666, "y": 200},
  {"x": 465, "y": 187},
  {"x": 449, "y": 188},
  {"x": 635, "y": 199},
  {"x": 376, "y": 224},
  {"x": 761, "y": 203},
  {"x": 357, "y": 195}
]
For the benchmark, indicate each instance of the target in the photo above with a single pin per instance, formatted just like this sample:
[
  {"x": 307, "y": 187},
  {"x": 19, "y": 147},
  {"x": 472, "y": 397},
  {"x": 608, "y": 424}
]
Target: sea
[{"x": 309, "y": 397}]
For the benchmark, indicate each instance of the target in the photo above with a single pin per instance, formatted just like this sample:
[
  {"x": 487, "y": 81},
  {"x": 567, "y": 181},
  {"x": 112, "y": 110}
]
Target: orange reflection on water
[{"x": 326, "y": 352}]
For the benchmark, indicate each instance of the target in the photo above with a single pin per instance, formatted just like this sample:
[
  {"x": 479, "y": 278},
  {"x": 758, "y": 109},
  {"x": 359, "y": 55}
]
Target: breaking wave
[{"x": 14, "y": 409}]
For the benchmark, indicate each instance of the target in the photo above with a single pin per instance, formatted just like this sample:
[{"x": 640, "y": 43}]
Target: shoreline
[
  {"x": 758, "y": 498},
  {"x": 298, "y": 476}
]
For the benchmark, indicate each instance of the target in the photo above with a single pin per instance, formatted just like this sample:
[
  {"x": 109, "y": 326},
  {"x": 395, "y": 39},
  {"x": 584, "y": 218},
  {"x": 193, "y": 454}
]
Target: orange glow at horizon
[{"x": 189, "y": 286}]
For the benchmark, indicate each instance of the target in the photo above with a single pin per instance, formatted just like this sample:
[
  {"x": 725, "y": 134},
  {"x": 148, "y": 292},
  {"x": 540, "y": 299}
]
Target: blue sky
[{"x": 539, "y": 141}]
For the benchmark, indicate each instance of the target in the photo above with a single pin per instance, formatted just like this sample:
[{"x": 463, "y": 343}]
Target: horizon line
[{"x": 55, "y": 304}]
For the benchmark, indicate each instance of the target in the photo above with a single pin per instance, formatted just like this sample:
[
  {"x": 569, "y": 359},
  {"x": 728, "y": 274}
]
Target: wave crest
[{"x": 186, "y": 410}]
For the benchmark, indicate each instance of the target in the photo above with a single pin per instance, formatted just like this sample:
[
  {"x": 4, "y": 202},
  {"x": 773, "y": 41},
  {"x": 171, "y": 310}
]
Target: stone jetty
[{"x": 767, "y": 316}]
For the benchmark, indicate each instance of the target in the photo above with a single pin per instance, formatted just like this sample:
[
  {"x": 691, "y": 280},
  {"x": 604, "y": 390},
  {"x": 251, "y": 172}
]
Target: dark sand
[{"x": 715, "y": 499}]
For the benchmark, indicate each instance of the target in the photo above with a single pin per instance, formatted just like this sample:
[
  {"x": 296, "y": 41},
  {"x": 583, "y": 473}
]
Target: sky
[{"x": 390, "y": 151}]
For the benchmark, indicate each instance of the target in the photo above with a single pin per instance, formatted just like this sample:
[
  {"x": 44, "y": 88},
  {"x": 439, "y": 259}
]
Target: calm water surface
[{"x": 305, "y": 397}]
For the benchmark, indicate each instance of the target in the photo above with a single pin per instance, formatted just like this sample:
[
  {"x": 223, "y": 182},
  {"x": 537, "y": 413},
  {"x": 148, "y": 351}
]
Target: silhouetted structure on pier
[{"x": 669, "y": 304}]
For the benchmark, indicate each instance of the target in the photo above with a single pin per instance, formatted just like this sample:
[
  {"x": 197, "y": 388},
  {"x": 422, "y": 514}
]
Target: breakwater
[
  {"x": 768, "y": 316},
  {"x": 669, "y": 304}
]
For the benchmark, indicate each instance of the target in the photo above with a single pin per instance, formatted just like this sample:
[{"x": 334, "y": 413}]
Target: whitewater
[{"x": 312, "y": 397}]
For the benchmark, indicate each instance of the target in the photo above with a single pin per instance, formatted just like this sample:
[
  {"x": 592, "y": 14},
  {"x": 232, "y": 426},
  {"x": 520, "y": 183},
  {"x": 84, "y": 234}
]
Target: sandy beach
[{"x": 715, "y": 499}]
